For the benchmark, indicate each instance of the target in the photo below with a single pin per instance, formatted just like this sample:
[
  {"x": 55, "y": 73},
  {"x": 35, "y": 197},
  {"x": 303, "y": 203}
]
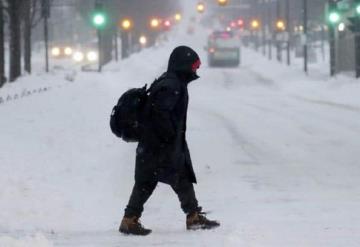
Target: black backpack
[{"x": 127, "y": 115}]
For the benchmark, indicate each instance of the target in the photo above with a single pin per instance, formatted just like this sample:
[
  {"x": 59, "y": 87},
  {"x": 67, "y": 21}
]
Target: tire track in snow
[
  {"x": 238, "y": 139},
  {"x": 261, "y": 79},
  {"x": 329, "y": 103}
]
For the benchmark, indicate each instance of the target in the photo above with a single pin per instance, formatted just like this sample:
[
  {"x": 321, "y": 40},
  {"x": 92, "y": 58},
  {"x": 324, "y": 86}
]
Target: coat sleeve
[{"x": 163, "y": 104}]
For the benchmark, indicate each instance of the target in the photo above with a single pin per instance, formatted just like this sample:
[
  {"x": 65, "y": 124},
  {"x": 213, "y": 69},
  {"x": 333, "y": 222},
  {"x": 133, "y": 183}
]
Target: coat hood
[{"x": 181, "y": 62}]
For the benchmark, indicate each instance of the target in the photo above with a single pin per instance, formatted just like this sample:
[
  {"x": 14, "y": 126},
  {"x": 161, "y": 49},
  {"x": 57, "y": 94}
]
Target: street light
[
  {"x": 126, "y": 24},
  {"x": 126, "y": 37},
  {"x": 200, "y": 7},
  {"x": 280, "y": 25},
  {"x": 222, "y": 2},
  {"x": 255, "y": 24},
  {"x": 154, "y": 23},
  {"x": 177, "y": 17}
]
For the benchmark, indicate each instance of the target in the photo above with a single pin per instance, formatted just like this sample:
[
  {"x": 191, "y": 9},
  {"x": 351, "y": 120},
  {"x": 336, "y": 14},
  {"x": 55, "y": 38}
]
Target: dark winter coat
[{"x": 162, "y": 153}]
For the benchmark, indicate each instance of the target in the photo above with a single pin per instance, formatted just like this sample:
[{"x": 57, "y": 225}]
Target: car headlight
[
  {"x": 68, "y": 51},
  {"x": 78, "y": 56},
  {"x": 55, "y": 51},
  {"x": 92, "y": 56}
]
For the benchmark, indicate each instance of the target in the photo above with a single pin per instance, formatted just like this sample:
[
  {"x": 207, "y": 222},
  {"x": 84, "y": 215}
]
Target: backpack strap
[{"x": 155, "y": 83}]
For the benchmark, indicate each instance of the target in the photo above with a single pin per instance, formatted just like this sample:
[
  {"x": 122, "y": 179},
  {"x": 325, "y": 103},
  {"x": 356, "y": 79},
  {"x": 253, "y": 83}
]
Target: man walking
[{"x": 162, "y": 154}]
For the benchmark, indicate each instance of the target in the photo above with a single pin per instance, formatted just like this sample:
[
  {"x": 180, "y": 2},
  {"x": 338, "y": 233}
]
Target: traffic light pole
[
  {"x": 332, "y": 50},
  {"x": 278, "y": 41},
  {"x": 116, "y": 46},
  {"x": 305, "y": 35},
  {"x": 263, "y": 31},
  {"x": 357, "y": 54},
  {"x": 288, "y": 32},
  {"x": 100, "y": 50}
]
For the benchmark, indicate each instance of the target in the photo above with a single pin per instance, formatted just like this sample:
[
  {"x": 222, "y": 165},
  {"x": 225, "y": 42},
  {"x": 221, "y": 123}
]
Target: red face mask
[{"x": 195, "y": 65}]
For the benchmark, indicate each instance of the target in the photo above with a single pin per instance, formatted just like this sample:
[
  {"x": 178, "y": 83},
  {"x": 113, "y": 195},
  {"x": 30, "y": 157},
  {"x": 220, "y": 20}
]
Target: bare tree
[
  {"x": 27, "y": 34},
  {"x": 2, "y": 49},
  {"x": 31, "y": 16},
  {"x": 14, "y": 10}
]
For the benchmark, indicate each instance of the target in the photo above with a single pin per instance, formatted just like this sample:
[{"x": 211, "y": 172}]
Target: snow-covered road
[{"x": 277, "y": 160}]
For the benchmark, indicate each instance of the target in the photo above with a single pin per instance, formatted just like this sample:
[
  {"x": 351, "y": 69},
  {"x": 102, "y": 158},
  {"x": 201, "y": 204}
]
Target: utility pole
[
  {"x": 333, "y": 19},
  {"x": 270, "y": 28},
  {"x": 278, "y": 42},
  {"x": 263, "y": 27},
  {"x": 305, "y": 36},
  {"x": 323, "y": 42},
  {"x": 355, "y": 28},
  {"x": 116, "y": 46},
  {"x": 357, "y": 53},
  {"x": 100, "y": 50},
  {"x": 288, "y": 31}
]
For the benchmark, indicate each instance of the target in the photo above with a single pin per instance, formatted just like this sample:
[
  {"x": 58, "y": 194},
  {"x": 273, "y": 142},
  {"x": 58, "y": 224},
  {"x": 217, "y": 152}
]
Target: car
[
  {"x": 59, "y": 50},
  {"x": 223, "y": 49},
  {"x": 86, "y": 53}
]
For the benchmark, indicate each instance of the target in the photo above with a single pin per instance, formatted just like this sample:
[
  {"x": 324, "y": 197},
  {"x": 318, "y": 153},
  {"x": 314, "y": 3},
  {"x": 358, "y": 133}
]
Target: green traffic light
[
  {"x": 358, "y": 9},
  {"x": 334, "y": 17},
  {"x": 99, "y": 19}
]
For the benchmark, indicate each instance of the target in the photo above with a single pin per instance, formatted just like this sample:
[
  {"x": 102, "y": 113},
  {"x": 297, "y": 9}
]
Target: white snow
[
  {"x": 38, "y": 240},
  {"x": 276, "y": 154}
]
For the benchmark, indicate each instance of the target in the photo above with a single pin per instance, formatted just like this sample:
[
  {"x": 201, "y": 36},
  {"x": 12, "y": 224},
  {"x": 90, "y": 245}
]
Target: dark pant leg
[
  {"x": 186, "y": 194},
  {"x": 140, "y": 194}
]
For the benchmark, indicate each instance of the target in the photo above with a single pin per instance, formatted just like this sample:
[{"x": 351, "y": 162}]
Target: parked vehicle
[{"x": 223, "y": 49}]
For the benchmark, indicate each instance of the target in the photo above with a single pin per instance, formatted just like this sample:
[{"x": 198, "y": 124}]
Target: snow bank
[
  {"x": 38, "y": 240},
  {"x": 341, "y": 90}
]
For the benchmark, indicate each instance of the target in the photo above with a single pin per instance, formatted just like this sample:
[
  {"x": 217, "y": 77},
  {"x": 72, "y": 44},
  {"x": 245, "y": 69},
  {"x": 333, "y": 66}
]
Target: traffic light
[
  {"x": 99, "y": 17},
  {"x": 167, "y": 25},
  {"x": 240, "y": 23},
  {"x": 334, "y": 17},
  {"x": 357, "y": 7},
  {"x": 333, "y": 13},
  {"x": 222, "y": 2}
]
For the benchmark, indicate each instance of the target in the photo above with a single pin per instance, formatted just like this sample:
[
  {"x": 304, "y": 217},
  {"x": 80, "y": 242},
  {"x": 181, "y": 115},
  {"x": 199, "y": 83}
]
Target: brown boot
[
  {"x": 131, "y": 225},
  {"x": 197, "y": 220}
]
